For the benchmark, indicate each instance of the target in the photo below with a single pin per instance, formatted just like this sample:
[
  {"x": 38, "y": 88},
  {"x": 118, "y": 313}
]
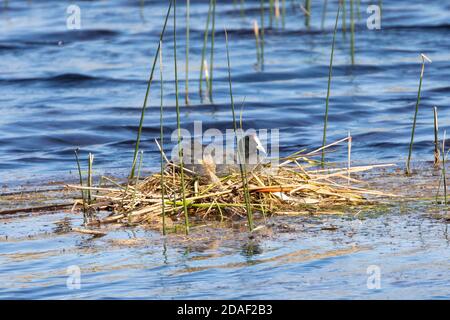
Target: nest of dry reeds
[{"x": 288, "y": 189}]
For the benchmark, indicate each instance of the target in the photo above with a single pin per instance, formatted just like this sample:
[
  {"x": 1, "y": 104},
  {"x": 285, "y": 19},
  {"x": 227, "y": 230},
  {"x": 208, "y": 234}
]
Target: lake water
[{"x": 61, "y": 89}]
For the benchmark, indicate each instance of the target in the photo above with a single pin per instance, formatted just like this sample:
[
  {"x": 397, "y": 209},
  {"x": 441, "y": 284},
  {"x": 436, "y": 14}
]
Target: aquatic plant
[
  {"x": 211, "y": 60},
  {"x": 349, "y": 155},
  {"x": 324, "y": 14},
  {"x": 89, "y": 177},
  {"x": 436, "y": 139},
  {"x": 293, "y": 189},
  {"x": 240, "y": 158},
  {"x": 408, "y": 163},
  {"x": 257, "y": 44},
  {"x": 177, "y": 106},
  {"x": 149, "y": 83},
  {"x": 161, "y": 136},
  {"x": 188, "y": 13},
  {"x": 242, "y": 9},
  {"x": 262, "y": 13},
  {"x": 83, "y": 198},
  {"x": 352, "y": 31},
  {"x": 444, "y": 175},
  {"x": 330, "y": 72},
  {"x": 270, "y": 13},
  {"x": 308, "y": 15},
  {"x": 205, "y": 43}
]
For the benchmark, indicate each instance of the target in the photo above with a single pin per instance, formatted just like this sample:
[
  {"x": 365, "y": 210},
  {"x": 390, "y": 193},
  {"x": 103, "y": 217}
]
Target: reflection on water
[{"x": 323, "y": 258}]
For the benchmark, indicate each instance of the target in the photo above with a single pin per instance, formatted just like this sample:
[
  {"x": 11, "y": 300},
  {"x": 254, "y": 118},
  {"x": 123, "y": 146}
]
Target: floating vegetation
[{"x": 294, "y": 187}]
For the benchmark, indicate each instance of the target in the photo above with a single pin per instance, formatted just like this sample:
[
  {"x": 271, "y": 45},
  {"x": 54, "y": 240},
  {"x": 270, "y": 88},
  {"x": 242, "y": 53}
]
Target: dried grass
[{"x": 289, "y": 189}]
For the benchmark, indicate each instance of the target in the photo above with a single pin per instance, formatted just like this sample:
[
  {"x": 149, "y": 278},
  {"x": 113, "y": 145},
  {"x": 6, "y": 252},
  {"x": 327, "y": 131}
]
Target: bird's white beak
[{"x": 259, "y": 144}]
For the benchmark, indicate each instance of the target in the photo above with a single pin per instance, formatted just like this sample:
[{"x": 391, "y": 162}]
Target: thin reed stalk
[
  {"x": 242, "y": 10},
  {"x": 349, "y": 156},
  {"x": 408, "y": 163},
  {"x": 358, "y": 9},
  {"x": 270, "y": 13},
  {"x": 177, "y": 105},
  {"x": 205, "y": 43},
  {"x": 436, "y": 139},
  {"x": 161, "y": 138},
  {"x": 352, "y": 31},
  {"x": 380, "y": 4},
  {"x": 308, "y": 16},
  {"x": 89, "y": 180},
  {"x": 324, "y": 14},
  {"x": 211, "y": 60},
  {"x": 256, "y": 31},
  {"x": 83, "y": 197},
  {"x": 283, "y": 13},
  {"x": 330, "y": 73},
  {"x": 241, "y": 163},
  {"x": 144, "y": 106},
  {"x": 141, "y": 159},
  {"x": 262, "y": 13},
  {"x": 344, "y": 17},
  {"x": 444, "y": 175},
  {"x": 188, "y": 14},
  {"x": 277, "y": 11}
]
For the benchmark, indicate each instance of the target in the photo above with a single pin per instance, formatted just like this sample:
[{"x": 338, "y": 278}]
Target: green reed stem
[
  {"x": 352, "y": 29},
  {"x": 270, "y": 13},
  {"x": 436, "y": 138},
  {"x": 188, "y": 14},
  {"x": 324, "y": 14},
  {"x": 262, "y": 34},
  {"x": 380, "y": 4},
  {"x": 83, "y": 197},
  {"x": 144, "y": 106},
  {"x": 89, "y": 182},
  {"x": 141, "y": 159},
  {"x": 308, "y": 16},
  {"x": 211, "y": 62},
  {"x": 344, "y": 17},
  {"x": 241, "y": 166},
  {"x": 408, "y": 163},
  {"x": 283, "y": 13},
  {"x": 205, "y": 43},
  {"x": 330, "y": 72},
  {"x": 242, "y": 9},
  {"x": 358, "y": 9},
  {"x": 180, "y": 149},
  {"x": 161, "y": 137},
  {"x": 444, "y": 177}
]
